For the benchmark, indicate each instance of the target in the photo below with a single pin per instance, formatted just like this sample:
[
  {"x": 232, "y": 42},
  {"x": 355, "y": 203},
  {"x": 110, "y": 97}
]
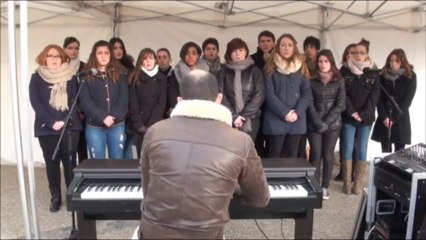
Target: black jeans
[
  {"x": 284, "y": 143},
  {"x": 322, "y": 146},
  {"x": 48, "y": 144}
]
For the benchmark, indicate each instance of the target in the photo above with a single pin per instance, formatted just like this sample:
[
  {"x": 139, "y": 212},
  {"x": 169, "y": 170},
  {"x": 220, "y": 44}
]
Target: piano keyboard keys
[
  {"x": 121, "y": 191},
  {"x": 287, "y": 191}
]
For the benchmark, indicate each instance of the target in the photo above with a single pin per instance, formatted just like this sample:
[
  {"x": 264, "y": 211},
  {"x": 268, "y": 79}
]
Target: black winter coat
[
  {"x": 147, "y": 100},
  {"x": 46, "y": 115},
  {"x": 328, "y": 101},
  {"x": 362, "y": 96},
  {"x": 258, "y": 59},
  {"x": 403, "y": 91},
  {"x": 101, "y": 97},
  {"x": 253, "y": 91}
]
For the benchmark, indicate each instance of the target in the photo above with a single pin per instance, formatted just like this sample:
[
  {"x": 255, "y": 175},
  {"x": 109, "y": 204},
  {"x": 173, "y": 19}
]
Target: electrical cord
[
  {"x": 282, "y": 231},
  {"x": 260, "y": 229},
  {"x": 369, "y": 232}
]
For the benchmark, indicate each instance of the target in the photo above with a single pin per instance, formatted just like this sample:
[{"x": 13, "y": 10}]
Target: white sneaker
[{"x": 325, "y": 194}]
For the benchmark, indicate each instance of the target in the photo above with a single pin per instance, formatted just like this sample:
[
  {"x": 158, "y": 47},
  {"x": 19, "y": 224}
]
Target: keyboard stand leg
[
  {"x": 86, "y": 228},
  {"x": 304, "y": 225}
]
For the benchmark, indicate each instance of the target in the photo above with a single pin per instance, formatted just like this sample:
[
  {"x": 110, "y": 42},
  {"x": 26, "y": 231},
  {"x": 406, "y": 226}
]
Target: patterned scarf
[
  {"x": 238, "y": 90},
  {"x": 325, "y": 77},
  {"x": 59, "y": 78}
]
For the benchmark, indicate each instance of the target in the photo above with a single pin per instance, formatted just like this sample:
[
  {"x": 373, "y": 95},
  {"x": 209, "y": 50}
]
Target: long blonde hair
[{"x": 270, "y": 65}]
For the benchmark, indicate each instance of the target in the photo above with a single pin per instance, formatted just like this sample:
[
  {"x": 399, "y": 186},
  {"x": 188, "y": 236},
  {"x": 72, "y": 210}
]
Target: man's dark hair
[
  {"x": 313, "y": 41},
  {"x": 164, "y": 50},
  {"x": 265, "y": 33},
  {"x": 210, "y": 41},
  {"x": 199, "y": 84}
]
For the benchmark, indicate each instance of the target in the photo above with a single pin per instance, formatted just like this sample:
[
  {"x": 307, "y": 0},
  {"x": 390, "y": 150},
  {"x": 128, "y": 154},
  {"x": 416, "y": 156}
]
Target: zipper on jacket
[{"x": 107, "y": 91}]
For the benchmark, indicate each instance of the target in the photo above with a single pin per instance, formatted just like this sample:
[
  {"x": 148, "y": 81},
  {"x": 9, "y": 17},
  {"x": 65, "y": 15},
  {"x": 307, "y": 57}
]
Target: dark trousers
[
  {"x": 397, "y": 146},
  {"x": 48, "y": 144},
  {"x": 255, "y": 123},
  {"x": 261, "y": 142},
  {"x": 283, "y": 143},
  {"x": 301, "y": 152},
  {"x": 322, "y": 147},
  {"x": 82, "y": 147}
]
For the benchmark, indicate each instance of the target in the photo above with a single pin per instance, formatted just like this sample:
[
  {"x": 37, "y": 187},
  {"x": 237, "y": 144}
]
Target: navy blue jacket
[
  {"x": 283, "y": 93},
  {"x": 101, "y": 97},
  {"x": 46, "y": 115}
]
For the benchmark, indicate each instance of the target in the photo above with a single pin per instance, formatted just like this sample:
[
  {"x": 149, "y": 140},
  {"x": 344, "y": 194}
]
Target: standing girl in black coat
[
  {"x": 243, "y": 87},
  {"x": 400, "y": 82},
  {"x": 52, "y": 91},
  {"x": 362, "y": 96},
  {"x": 148, "y": 95},
  {"x": 327, "y": 103}
]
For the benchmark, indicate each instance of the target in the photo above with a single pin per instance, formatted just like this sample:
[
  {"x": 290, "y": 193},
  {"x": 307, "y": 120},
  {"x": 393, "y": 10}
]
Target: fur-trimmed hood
[{"x": 203, "y": 109}]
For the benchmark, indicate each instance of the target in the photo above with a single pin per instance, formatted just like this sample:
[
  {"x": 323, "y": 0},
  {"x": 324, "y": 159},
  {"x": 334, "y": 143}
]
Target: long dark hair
[
  {"x": 270, "y": 63},
  {"x": 352, "y": 45},
  {"x": 329, "y": 55},
  {"x": 400, "y": 54},
  {"x": 143, "y": 54},
  {"x": 126, "y": 60},
  {"x": 112, "y": 69}
]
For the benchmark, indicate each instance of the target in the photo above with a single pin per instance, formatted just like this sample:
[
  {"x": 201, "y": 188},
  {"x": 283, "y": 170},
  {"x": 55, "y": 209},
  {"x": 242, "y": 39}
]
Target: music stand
[{"x": 67, "y": 125}]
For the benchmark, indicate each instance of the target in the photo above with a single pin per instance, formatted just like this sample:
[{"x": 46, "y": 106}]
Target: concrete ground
[{"x": 335, "y": 220}]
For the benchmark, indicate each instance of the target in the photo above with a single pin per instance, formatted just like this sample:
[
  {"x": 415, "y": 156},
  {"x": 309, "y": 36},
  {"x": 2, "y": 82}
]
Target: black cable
[
  {"x": 282, "y": 231},
  {"x": 260, "y": 229}
]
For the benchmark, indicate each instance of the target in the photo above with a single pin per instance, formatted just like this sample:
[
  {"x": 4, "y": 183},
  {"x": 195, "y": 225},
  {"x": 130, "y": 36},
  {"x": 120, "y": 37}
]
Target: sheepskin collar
[{"x": 202, "y": 109}]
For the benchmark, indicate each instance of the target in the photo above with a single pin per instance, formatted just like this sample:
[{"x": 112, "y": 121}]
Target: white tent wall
[{"x": 173, "y": 35}]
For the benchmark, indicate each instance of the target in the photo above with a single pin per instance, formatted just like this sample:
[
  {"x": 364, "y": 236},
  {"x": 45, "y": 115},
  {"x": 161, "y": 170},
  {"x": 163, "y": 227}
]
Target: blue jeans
[
  {"x": 99, "y": 138},
  {"x": 363, "y": 134}
]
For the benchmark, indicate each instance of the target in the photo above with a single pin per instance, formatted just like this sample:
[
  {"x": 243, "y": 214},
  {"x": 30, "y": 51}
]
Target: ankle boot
[
  {"x": 360, "y": 168},
  {"x": 55, "y": 201},
  {"x": 347, "y": 176}
]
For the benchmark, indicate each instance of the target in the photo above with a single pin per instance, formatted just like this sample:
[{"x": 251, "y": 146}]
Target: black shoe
[
  {"x": 55, "y": 204},
  {"x": 339, "y": 177}
]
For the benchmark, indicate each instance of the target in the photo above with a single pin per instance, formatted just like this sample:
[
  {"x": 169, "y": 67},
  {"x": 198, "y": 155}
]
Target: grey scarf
[
  {"x": 213, "y": 67},
  {"x": 181, "y": 69},
  {"x": 238, "y": 91},
  {"x": 392, "y": 75}
]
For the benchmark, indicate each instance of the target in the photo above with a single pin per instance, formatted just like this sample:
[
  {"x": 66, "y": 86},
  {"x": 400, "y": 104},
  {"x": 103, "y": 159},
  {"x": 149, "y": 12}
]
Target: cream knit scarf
[
  {"x": 286, "y": 68},
  {"x": 358, "y": 67},
  {"x": 59, "y": 78}
]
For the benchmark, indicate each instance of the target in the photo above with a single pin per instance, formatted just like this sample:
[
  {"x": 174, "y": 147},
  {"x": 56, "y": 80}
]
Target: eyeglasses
[
  {"x": 359, "y": 53},
  {"x": 54, "y": 56}
]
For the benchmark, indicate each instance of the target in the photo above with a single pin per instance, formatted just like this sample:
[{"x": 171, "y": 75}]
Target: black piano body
[{"x": 122, "y": 172}]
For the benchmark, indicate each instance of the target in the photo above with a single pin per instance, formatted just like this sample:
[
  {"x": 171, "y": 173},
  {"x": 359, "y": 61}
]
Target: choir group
[{"x": 281, "y": 97}]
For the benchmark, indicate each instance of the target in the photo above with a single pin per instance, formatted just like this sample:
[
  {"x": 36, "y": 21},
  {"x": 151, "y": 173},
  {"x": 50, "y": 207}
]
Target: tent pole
[
  {"x": 15, "y": 110},
  {"x": 323, "y": 29},
  {"x": 27, "y": 136},
  {"x": 117, "y": 20}
]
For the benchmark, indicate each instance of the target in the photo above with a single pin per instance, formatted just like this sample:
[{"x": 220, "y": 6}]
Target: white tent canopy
[{"x": 155, "y": 24}]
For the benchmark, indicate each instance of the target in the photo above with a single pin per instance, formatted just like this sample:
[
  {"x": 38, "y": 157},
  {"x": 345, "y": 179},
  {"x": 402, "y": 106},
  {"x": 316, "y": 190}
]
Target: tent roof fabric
[{"x": 317, "y": 15}]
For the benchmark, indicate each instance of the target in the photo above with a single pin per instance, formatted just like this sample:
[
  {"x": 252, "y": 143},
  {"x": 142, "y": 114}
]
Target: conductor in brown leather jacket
[{"x": 192, "y": 164}]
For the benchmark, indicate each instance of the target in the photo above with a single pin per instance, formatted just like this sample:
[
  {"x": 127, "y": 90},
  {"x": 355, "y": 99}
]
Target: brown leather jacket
[{"x": 191, "y": 165}]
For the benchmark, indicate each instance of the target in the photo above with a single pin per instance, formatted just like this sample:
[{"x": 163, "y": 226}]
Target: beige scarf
[
  {"x": 59, "y": 78},
  {"x": 284, "y": 67},
  {"x": 358, "y": 67}
]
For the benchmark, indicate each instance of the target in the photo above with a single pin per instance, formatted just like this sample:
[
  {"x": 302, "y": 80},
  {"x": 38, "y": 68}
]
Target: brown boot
[
  {"x": 360, "y": 168},
  {"x": 347, "y": 176}
]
